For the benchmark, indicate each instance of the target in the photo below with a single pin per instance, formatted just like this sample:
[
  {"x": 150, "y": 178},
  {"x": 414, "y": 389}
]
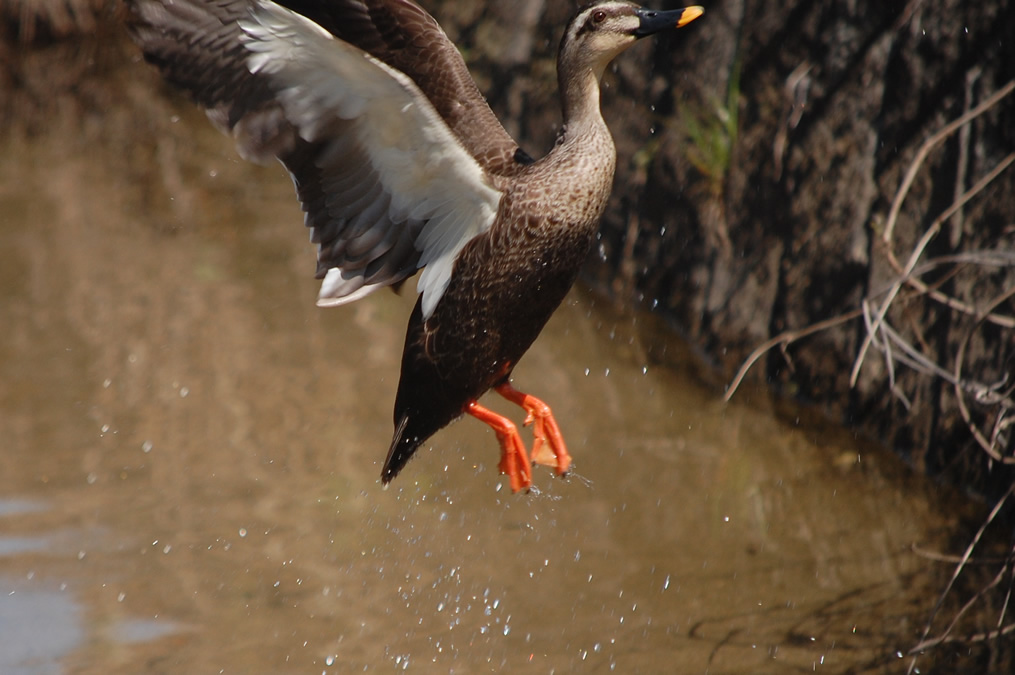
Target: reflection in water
[
  {"x": 38, "y": 629},
  {"x": 207, "y": 444}
]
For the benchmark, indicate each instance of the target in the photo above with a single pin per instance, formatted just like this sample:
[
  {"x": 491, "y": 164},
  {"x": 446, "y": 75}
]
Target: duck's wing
[
  {"x": 386, "y": 186},
  {"x": 403, "y": 35}
]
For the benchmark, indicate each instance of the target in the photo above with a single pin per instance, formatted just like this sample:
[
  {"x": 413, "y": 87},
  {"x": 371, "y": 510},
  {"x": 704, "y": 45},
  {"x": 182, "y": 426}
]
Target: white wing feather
[{"x": 421, "y": 165}]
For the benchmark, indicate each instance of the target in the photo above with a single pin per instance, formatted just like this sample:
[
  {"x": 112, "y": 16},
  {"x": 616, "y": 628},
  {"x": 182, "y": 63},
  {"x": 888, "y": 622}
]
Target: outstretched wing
[
  {"x": 386, "y": 186},
  {"x": 403, "y": 35}
]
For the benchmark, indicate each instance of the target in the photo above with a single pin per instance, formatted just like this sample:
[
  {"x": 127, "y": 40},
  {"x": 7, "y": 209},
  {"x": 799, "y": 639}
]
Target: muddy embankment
[
  {"x": 820, "y": 190},
  {"x": 799, "y": 176}
]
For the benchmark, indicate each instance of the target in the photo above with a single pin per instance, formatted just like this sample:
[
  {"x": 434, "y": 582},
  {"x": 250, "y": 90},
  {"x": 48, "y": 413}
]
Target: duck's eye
[{"x": 599, "y": 16}]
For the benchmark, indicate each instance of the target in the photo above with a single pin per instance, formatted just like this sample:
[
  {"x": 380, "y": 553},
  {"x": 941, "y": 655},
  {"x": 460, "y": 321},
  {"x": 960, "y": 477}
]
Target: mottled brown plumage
[{"x": 399, "y": 163}]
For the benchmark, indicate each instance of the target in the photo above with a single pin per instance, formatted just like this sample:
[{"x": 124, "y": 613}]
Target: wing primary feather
[{"x": 377, "y": 142}]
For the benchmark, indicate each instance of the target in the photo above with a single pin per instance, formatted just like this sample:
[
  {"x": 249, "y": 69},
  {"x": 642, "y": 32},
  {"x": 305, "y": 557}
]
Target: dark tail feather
[
  {"x": 411, "y": 431},
  {"x": 425, "y": 401},
  {"x": 403, "y": 446}
]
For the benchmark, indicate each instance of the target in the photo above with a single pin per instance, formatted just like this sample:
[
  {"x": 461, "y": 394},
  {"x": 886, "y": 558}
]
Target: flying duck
[{"x": 399, "y": 165}]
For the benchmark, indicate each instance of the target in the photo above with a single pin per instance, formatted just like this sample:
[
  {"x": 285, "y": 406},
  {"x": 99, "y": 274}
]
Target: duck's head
[{"x": 601, "y": 30}]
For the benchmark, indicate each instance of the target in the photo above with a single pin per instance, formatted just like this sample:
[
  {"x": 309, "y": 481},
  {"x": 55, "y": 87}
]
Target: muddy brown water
[{"x": 191, "y": 448}]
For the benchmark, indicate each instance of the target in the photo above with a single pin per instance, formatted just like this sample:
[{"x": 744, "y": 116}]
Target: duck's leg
[
  {"x": 513, "y": 460},
  {"x": 548, "y": 448}
]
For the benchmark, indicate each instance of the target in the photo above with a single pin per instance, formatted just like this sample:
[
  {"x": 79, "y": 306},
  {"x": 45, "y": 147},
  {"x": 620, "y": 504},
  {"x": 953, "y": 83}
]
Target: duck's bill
[{"x": 653, "y": 21}]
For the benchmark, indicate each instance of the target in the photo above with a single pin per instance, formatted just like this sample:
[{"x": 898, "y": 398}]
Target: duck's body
[
  {"x": 491, "y": 314},
  {"x": 399, "y": 163}
]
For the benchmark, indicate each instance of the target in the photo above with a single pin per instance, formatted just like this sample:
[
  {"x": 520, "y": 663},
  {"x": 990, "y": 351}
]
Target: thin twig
[
  {"x": 906, "y": 273},
  {"x": 946, "y": 634},
  {"x": 987, "y": 445},
  {"x": 785, "y": 338},
  {"x": 954, "y": 303},
  {"x": 930, "y": 144},
  {"x": 976, "y": 637},
  {"x": 958, "y": 570},
  {"x": 937, "y": 556},
  {"x": 872, "y": 329}
]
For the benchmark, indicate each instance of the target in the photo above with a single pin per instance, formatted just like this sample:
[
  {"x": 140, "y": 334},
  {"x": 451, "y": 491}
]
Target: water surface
[{"x": 191, "y": 451}]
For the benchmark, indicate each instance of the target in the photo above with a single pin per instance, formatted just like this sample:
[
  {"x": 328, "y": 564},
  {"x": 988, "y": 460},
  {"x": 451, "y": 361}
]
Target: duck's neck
[{"x": 579, "y": 89}]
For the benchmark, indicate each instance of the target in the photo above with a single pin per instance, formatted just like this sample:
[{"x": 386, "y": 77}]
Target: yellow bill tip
[{"x": 689, "y": 15}]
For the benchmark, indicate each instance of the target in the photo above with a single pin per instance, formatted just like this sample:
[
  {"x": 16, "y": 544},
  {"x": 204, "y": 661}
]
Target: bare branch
[
  {"x": 785, "y": 338},
  {"x": 924, "y": 642},
  {"x": 930, "y": 144}
]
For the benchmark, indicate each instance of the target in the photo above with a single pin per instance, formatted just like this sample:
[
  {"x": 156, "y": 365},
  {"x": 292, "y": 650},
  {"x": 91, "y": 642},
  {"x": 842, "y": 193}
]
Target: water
[{"x": 200, "y": 448}]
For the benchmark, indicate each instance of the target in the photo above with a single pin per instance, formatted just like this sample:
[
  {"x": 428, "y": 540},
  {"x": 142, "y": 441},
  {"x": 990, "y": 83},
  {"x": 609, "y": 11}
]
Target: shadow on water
[{"x": 191, "y": 451}]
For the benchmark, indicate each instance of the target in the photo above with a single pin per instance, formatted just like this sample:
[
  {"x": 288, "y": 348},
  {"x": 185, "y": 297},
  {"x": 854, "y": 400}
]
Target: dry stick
[
  {"x": 960, "y": 356},
  {"x": 990, "y": 257},
  {"x": 914, "y": 358},
  {"x": 1002, "y": 629},
  {"x": 937, "y": 556},
  {"x": 1007, "y": 599},
  {"x": 955, "y": 303},
  {"x": 976, "y": 637},
  {"x": 872, "y": 328},
  {"x": 929, "y": 144},
  {"x": 958, "y": 570},
  {"x": 907, "y": 271},
  {"x": 946, "y": 635},
  {"x": 903, "y": 192},
  {"x": 962, "y": 163},
  {"x": 786, "y": 338}
]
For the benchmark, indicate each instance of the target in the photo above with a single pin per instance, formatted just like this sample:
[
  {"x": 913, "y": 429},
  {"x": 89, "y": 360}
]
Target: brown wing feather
[
  {"x": 197, "y": 46},
  {"x": 402, "y": 34}
]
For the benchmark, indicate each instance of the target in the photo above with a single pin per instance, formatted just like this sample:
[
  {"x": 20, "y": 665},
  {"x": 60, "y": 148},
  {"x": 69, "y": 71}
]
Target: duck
[{"x": 400, "y": 165}]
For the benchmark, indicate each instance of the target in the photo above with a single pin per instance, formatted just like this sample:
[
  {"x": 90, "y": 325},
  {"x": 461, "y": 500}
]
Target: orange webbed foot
[
  {"x": 548, "y": 448},
  {"x": 514, "y": 462}
]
